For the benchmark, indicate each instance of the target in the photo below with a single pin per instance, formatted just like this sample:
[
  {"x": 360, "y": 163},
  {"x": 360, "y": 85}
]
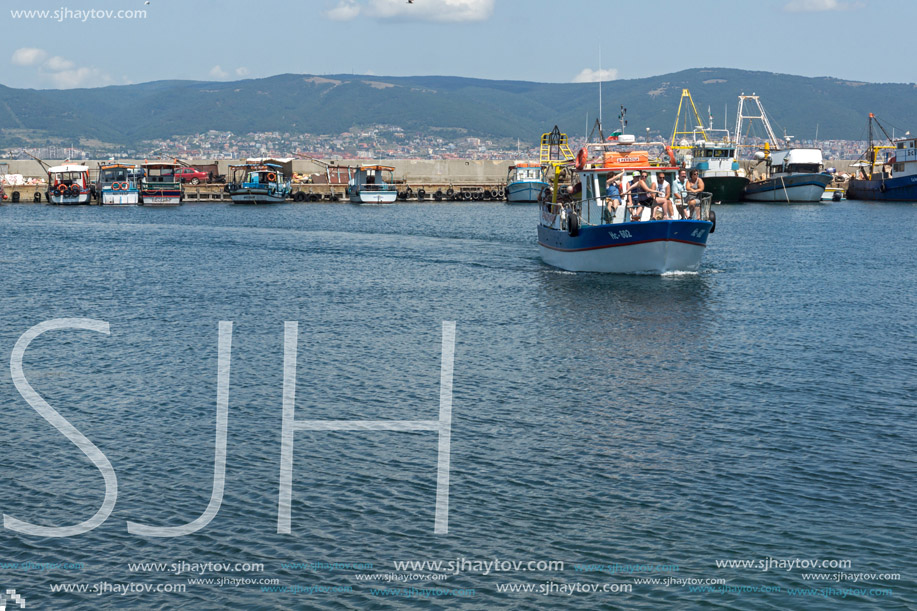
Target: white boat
[
  {"x": 118, "y": 185},
  {"x": 524, "y": 183},
  {"x": 372, "y": 184},
  {"x": 791, "y": 174},
  {"x": 68, "y": 184},
  {"x": 258, "y": 183},
  {"x": 159, "y": 186}
]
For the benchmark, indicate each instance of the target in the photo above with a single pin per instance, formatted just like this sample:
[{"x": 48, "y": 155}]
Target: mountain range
[{"x": 331, "y": 104}]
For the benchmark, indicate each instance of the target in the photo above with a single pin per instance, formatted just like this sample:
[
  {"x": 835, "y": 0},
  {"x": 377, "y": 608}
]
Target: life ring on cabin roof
[
  {"x": 581, "y": 157},
  {"x": 671, "y": 153},
  {"x": 271, "y": 177}
]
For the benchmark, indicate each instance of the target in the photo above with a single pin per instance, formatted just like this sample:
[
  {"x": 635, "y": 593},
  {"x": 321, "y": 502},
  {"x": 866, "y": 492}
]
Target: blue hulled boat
[
  {"x": 894, "y": 178},
  {"x": 587, "y": 235},
  {"x": 524, "y": 183}
]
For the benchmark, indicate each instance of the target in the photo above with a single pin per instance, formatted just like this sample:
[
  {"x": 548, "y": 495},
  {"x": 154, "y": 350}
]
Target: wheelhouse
[
  {"x": 68, "y": 175},
  {"x": 374, "y": 178},
  {"x": 524, "y": 172}
]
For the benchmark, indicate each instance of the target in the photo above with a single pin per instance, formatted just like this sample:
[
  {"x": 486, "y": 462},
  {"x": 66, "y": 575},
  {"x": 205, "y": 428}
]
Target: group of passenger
[{"x": 655, "y": 194}]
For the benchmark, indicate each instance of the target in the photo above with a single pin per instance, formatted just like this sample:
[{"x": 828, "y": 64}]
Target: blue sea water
[{"x": 630, "y": 427}]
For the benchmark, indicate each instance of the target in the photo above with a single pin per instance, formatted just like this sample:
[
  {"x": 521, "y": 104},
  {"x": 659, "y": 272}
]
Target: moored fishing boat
[
  {"x": 583, "y": 234},
  {"x": 159, "y": 186},
  {"x": 892, "y": 179},
  {"x": 712, "y": 152},
  {"x": 118, "y": 185},
  {"x": 524, "y": 183},
  {"x": 372, "y": 184},
  {"x": 258, "y": 183},
  {"x": 791, "y": 174},
  {"x": 68, "y": 184},
  {"x": 718, "y": 167}
]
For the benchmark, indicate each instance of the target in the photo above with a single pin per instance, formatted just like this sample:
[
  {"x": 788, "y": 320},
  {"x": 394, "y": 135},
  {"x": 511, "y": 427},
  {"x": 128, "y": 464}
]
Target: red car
[{"x": 192, "y": 175}]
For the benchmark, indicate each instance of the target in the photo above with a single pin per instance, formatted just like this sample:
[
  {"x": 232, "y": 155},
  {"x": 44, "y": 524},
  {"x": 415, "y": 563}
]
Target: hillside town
[{"x": 360, "y": 142}]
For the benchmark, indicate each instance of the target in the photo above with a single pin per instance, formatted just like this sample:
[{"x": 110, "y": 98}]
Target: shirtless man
[{"x": 694, "y": 186}]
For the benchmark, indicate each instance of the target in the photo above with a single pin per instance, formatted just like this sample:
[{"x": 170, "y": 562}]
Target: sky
[{"x": 90, "y": 44}]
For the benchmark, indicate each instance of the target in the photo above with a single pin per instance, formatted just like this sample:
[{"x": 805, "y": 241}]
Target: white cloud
[
  {"x": 28, "y": 56},
  {"x": 85, "y": 76},
  {"x": 588, "y": 75},
  {"x": 344, "y": 11},
  {"x": 817, "y": 6},
  {"x": 241, "y": 71},
  {"x": 451, "y": 11},
  {"x": 218, "y": 73},
  {"x": 58, "y": 63}
]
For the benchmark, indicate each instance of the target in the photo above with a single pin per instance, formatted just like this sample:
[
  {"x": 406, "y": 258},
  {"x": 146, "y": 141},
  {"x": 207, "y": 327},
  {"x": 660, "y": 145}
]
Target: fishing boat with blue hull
[
  {"x": 258, "y": 183},
  {"x": 586, "y": 234},
  {"x": 791, "y": 174},
  {"x": 524, "y": 183},
  {"x": 118, "y": 185},
  {"x": 887, "y": 173}
]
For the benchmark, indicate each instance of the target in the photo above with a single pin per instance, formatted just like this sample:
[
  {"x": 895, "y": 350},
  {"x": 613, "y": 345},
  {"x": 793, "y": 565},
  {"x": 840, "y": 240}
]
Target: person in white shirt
[
  {"x": 662, "y": 196},
  {"x": 680, "y": 193}
]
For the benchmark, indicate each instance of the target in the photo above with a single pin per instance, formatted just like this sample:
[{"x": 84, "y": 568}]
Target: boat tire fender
[
  {"x": 37, "y": 197},
  {"x": 573, "y": 225},
  {"x": 450, "y": 192},
  {"x": 712, "y": 218},
  {"x": 882, "y": 187}
]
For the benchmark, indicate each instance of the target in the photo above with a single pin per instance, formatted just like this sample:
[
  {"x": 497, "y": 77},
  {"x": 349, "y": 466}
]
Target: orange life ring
[
  {"x": 271, "y": 177},
  {"x": 62, "y": 188},
  {"x": 581, "y": 157},
  {"x": 668, "y": 149},
  {"x": 116, "y": 186}
]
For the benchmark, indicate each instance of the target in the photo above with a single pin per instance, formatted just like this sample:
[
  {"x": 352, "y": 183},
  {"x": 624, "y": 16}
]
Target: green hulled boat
[
  {"x": 725, "y": 189},
  {"x": 718, "y": 167}
]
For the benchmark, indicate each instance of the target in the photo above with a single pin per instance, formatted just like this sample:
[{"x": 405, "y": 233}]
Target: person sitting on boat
[
  {"x": 680, "y": 193},
  {"x": 662, "y": 196},
  {"x": 695, "y": 187},
  {"x": 612, "y": 196},
  {"x": 639, "y": 197}
]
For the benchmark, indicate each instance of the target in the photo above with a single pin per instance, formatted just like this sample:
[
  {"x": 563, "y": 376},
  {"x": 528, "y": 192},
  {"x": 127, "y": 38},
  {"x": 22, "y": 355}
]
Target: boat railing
[{"x": 701, "y": 211}]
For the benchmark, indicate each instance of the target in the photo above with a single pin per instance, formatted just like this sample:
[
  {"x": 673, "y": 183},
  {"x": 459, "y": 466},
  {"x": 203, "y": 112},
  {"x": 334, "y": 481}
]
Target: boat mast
[
  {"x": 600, "y": 85},
  {"x": 740, "y": 116},
  {"x": 685, "y": 93}
]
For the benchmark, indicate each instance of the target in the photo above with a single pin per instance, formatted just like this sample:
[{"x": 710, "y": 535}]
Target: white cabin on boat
[
  {"x": 904, "y": 160},
  {"x": 795, "y": 161},
  {"x": 68, "y": 184}
]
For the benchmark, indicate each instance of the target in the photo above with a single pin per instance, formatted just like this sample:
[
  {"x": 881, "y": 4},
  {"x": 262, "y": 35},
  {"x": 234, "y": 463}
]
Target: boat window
[
  {"x": 810, "y": 168},
  {"x": 898, "y": 167}
]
